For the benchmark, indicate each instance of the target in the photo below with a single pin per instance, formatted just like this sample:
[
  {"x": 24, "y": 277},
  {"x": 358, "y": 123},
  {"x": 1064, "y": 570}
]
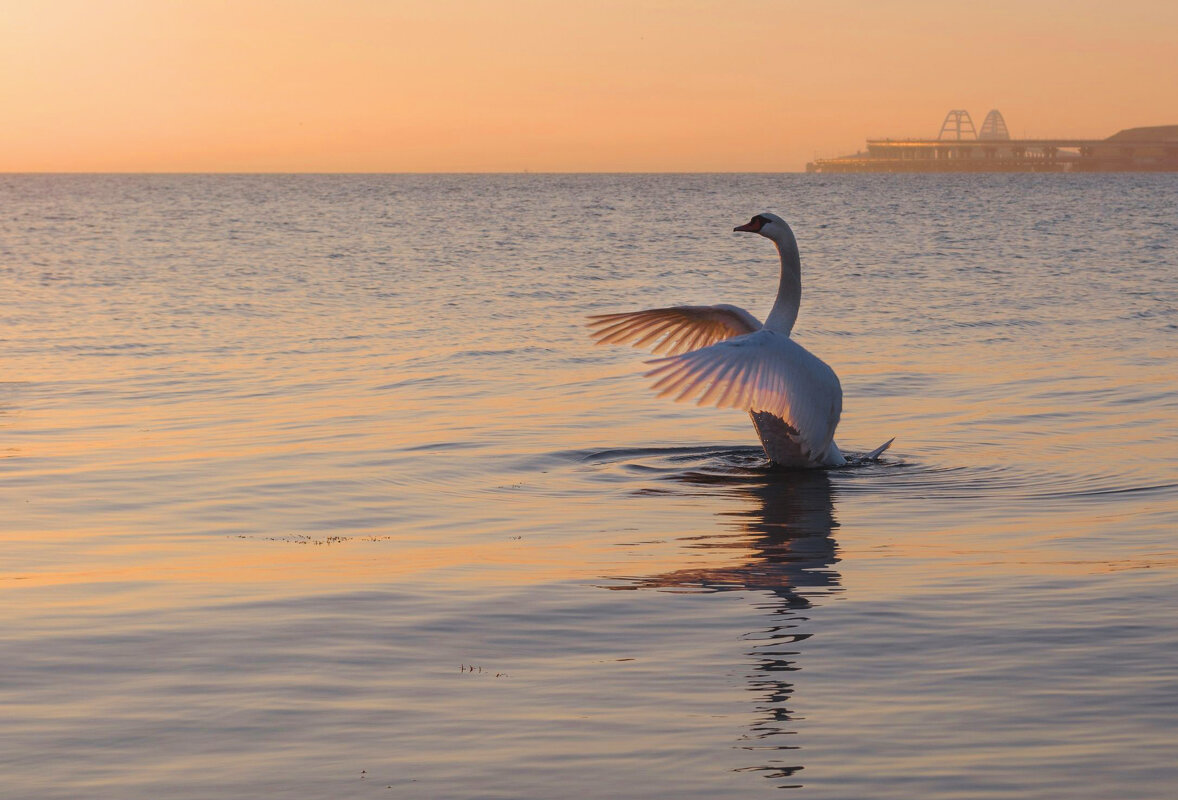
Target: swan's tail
[{"x": 879, "y": 451}]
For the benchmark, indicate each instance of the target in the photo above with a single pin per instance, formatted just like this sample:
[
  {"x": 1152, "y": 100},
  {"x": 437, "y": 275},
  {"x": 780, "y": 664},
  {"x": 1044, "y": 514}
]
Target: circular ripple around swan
[{"x": 650, "y": 469}]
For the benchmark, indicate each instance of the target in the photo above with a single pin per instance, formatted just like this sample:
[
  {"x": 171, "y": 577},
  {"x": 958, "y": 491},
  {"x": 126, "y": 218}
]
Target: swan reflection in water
[{"x": 789, "y": 557}]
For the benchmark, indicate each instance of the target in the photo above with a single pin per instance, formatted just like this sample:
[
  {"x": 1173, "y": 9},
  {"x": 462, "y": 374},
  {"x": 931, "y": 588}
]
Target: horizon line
[{"x": 404, "y": 172}]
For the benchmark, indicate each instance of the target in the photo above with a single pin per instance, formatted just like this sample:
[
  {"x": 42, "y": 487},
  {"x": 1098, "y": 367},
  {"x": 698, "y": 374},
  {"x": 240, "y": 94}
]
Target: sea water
[{"x": 315, "y": 486}]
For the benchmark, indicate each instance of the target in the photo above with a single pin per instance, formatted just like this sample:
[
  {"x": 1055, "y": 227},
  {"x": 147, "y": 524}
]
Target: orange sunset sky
[{"x": 513, "y": 85}]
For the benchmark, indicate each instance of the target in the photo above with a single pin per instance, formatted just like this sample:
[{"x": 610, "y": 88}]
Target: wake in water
[{"x": 737, "y": 462}]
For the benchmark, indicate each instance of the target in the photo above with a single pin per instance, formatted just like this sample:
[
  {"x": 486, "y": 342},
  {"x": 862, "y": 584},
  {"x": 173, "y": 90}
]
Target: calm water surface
[{"x": 314, "y": 486}]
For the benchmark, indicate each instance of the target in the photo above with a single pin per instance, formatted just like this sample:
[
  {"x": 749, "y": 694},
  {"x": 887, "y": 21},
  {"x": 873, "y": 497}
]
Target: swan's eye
[{"x": 754, "y": 225}]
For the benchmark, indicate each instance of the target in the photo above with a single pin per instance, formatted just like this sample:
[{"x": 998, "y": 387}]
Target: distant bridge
[
  {"x": 959, "y": 147},
  {"x": 958, "y": 122}
]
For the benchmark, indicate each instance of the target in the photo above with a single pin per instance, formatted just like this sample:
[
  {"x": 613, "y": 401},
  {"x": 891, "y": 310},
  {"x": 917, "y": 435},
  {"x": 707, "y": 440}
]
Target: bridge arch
[
  {"x": 957, "y": 123},
  {"x": 994, "y": 127}
]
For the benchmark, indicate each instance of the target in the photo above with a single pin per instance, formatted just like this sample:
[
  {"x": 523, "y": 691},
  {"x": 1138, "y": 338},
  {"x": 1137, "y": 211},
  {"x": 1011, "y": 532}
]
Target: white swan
[{"x": 722, "y": 355}]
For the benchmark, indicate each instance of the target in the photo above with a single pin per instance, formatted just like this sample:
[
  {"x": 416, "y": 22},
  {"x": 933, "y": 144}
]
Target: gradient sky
[{"x": 512, "y": 85}]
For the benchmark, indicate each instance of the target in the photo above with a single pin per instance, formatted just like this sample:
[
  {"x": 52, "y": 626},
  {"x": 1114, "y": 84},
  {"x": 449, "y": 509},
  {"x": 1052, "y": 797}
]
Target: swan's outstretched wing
[
  {"x": 761, "y": 371},
  {"x": 679, "y": 329}
]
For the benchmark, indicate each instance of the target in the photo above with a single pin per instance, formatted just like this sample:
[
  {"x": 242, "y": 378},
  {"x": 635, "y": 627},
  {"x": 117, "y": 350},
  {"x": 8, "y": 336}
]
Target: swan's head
[{"x": 768, "y": 225}]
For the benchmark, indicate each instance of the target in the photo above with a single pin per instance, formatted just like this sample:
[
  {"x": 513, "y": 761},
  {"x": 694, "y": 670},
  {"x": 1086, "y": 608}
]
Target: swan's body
[{"x": 724, "y": 356}]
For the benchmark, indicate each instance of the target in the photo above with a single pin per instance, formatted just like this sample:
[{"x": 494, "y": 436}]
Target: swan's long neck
[{"x": 789, "y": 291}]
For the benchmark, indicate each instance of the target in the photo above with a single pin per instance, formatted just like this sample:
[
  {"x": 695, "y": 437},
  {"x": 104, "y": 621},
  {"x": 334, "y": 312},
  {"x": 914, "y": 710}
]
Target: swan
[{"x": 723, "y": 356}]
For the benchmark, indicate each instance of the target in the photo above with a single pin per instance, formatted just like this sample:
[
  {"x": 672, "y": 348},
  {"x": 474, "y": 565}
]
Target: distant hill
[{"x": 1151, "y": 133}]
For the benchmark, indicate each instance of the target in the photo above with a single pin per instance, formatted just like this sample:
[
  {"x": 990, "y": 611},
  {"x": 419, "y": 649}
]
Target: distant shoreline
[{"x": 801, "y": 173}]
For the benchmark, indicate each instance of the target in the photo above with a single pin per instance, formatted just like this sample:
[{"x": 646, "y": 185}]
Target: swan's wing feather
[
  {"x": 760, "y": 371},
  {"x": 674, "y": 330}
]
